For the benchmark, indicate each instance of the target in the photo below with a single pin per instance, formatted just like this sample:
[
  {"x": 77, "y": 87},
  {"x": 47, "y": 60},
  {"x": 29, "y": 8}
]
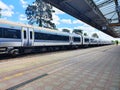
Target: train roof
[{"x": 2, "y": 21}]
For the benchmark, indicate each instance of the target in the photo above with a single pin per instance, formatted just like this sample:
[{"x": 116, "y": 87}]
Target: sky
[{"x": 14, "y": 10}]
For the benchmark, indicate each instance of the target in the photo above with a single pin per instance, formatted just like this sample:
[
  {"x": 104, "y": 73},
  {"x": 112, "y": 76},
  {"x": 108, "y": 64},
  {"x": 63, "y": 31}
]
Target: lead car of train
[{"x": 18, "y": 38}]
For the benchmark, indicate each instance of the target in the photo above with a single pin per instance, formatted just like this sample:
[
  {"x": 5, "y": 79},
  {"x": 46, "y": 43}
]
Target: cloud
[
  {"x": 56, "y": 19},
  {"x": 104, "y": 36},
  {"x": 22, "y": 17},
  {"x": 24, "y": 3},
  {"x": 87, "y": 29},
  {"x": 66, "y": 21},
  {"x": 7, "y": 10},
  {"x": 90, "y": 30},
  {"x": 77, "y": 22}
]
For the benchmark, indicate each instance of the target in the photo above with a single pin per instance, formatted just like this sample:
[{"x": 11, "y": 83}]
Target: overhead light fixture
[{"x": 104, "y": 27}]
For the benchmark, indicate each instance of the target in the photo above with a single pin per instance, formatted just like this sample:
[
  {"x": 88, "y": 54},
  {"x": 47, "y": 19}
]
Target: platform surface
[{"x": 82, "y": 69}]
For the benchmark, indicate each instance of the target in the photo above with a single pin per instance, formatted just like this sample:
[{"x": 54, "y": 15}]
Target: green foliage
[
  {"x": 116, "y": 41},
  {"x": 85, "y": 34},
  {"x": 95, "y": 35},
  {"x": 78, "y": 31},
  {"x": 40, "y": 13},
  {"x": 66, "y": 30},
  {"x": 113, "y": 41}
]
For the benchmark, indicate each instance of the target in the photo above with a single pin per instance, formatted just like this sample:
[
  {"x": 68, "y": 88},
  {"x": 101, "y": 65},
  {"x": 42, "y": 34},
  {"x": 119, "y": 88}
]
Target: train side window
[
  {"x": 86, "y": 40},
  {"x": 25, "y": 35},
  {"x": 44, "y": 36},
  {"x": 77, "y": 39},
  {"x": 30, "y": 34},
  {"x": 11, "y": 33}
]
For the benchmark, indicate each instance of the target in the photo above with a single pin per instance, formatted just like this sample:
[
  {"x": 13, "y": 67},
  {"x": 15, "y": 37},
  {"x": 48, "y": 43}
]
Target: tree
[
  {"x": 85, "y": 34},
  {"x": 95, "y": 35},
  {"x": 40, "y": 13},
  {"x": 113, "y": 41},
  {"x": 66, "y": 30},
  {"x": 78, "y": 31},
  {"x": 117, "y": 42}
]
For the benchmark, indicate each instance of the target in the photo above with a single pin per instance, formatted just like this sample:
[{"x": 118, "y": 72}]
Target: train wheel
[{"x": 14, "y": 52}]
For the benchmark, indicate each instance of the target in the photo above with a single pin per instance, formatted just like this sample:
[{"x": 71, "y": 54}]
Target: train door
[
  {"x": 24, "y": 36},
  {"x": 31, "y": 37}
]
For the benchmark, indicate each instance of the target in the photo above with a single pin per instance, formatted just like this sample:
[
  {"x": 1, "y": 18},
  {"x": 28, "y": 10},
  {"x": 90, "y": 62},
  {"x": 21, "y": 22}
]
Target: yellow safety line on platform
[
  {"x": 22, "y": 73},
  {"x": 10, "y": 77}
]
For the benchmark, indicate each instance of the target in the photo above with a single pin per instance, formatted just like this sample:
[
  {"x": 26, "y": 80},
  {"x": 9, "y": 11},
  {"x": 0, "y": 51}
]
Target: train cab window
[
  {"x": 25, "y": 35},
  {"x": 31, "y": 35}
]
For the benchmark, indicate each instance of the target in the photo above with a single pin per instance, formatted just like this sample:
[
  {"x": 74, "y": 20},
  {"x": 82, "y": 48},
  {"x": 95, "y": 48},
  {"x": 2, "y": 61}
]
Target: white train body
[{"x": 16, "y": 38}]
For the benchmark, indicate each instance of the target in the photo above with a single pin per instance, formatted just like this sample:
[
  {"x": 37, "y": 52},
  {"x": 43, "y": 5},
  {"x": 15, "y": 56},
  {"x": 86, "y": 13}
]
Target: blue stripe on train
[
  {"x": 51, "y": 41},
  {"x": 10, "y": 40}
]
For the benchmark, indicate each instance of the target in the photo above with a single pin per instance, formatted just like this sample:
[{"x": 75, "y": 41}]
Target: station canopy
[
  {"x": 101, "y": 14},
  {"x": 111, "y": 11}
]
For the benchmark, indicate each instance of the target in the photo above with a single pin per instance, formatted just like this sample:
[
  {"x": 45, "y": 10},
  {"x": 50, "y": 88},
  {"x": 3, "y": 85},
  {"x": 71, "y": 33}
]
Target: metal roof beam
[
  {"x": 117, "y": 9},
  {"x": 109, "y": 13},
  {"x": 96, "y": 9},
  {"x": 114, "y": 24},
  {"x": 78, "y": 9},
  {"x": 104, "y": 3},
  {"x": 65, "y": 1}
]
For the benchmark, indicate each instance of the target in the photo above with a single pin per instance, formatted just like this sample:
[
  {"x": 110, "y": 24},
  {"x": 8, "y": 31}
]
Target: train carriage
[
  {"x": 86, "y": 41},
  {"x": 18, "y": 38}
]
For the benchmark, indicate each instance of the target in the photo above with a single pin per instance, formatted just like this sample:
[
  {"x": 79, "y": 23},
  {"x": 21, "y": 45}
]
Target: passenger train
[{"x": 16, "y": 38}]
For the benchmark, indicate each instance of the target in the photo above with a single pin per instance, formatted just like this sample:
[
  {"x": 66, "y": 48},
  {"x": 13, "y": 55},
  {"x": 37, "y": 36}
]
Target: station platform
[{"x": 82, "y": 69}]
